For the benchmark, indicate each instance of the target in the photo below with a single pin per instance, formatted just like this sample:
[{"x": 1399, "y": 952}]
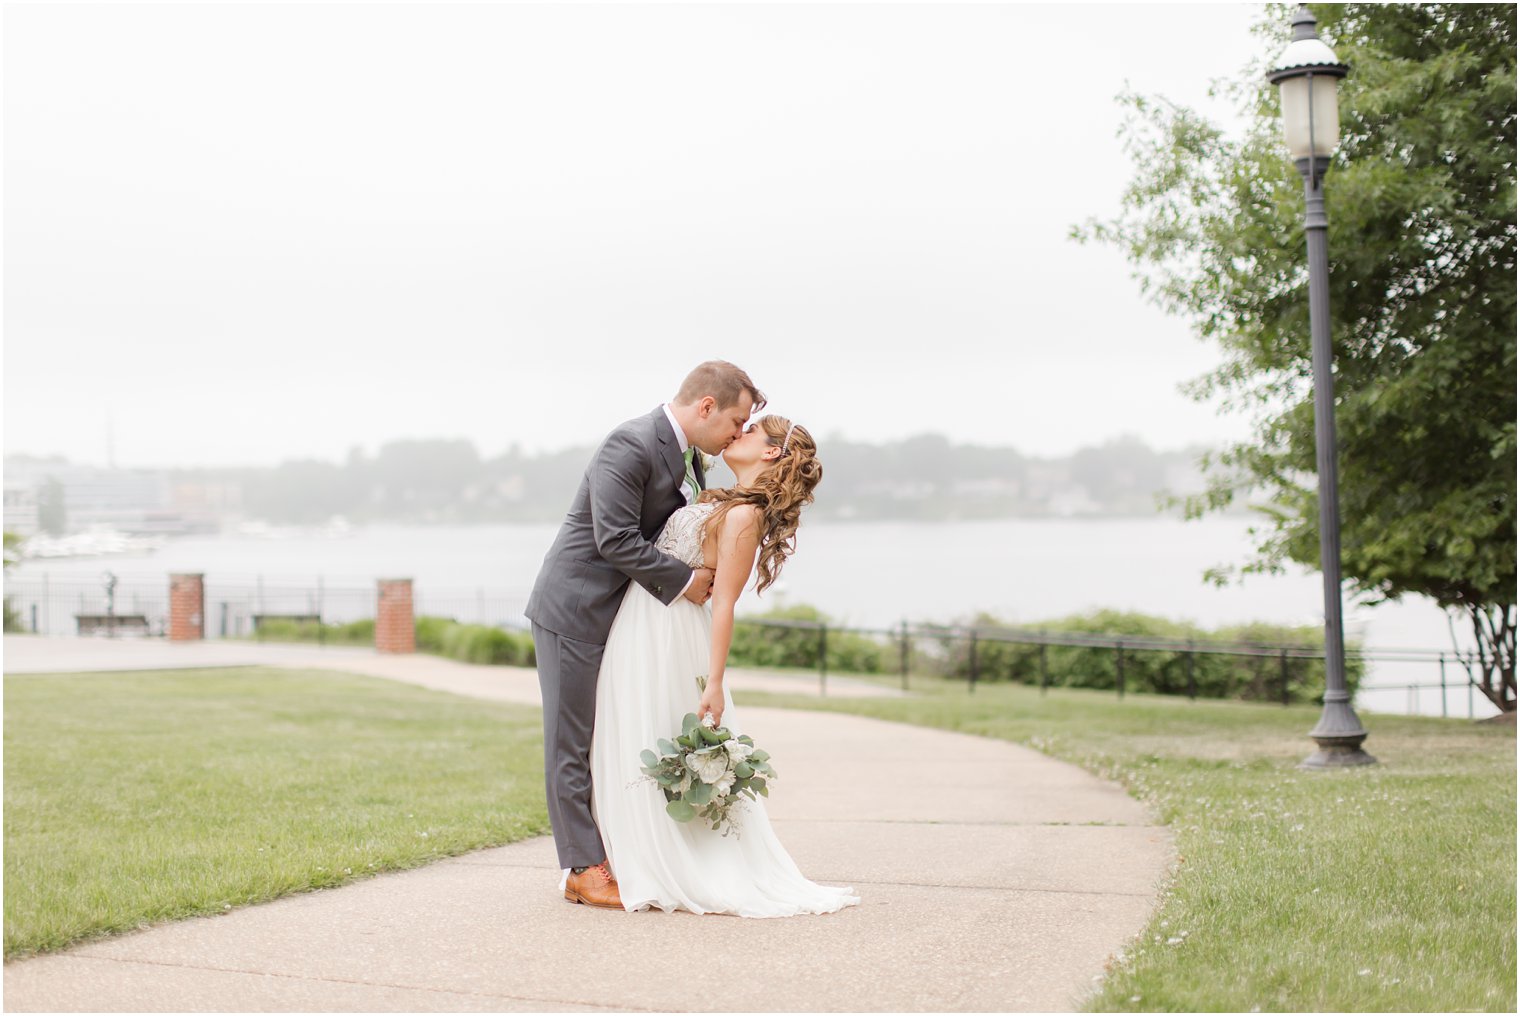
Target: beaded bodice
[{"x": 682, "y": 536}]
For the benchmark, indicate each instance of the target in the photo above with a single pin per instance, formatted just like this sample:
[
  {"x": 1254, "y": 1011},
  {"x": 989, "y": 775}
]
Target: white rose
[
  {"x": 723, "y": 786},
  {"x": 708, "y": 765},
  {"x": 737, "y": 750}
]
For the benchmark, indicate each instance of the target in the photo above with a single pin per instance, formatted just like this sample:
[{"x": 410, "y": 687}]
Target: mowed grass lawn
[
  {"x": 145, "y": 796},
  {"x": 1381, "y": 888}
]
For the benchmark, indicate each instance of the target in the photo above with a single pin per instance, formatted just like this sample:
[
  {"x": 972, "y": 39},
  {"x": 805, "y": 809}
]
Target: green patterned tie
[{"x": 691, "y": 474}]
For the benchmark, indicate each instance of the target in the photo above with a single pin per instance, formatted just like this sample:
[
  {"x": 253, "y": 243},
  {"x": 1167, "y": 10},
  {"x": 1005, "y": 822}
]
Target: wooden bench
[{"x": 111, "y": 624}]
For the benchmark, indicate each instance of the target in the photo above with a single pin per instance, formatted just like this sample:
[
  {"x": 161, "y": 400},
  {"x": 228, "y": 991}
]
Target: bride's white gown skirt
[{"x": 647, "y": 683}]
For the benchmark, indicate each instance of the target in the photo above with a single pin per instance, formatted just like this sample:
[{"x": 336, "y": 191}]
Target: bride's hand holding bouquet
[{"x": 712, "y": 701}]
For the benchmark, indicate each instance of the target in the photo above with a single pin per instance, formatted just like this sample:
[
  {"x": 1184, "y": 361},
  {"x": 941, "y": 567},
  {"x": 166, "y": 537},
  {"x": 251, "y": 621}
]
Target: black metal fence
[
  {"x": 237, "y": 605},
  {"x": 905, "y": 644}
]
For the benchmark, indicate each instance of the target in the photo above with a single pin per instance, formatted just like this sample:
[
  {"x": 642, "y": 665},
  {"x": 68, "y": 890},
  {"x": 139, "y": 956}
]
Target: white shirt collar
[{"x": 676, "y": 425}]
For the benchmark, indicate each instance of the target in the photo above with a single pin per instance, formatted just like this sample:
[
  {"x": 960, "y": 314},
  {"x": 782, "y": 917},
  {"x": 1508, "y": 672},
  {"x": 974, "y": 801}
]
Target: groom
[{"x": 643, "y": 471}]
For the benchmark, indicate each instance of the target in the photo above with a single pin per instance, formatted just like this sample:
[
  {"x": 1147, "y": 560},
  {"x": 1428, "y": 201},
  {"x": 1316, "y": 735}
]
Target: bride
[{"x": 649, "y": 679}]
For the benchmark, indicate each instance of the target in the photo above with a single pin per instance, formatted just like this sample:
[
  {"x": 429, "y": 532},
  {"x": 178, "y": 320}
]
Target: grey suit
[{"x": 630, "y": 489}]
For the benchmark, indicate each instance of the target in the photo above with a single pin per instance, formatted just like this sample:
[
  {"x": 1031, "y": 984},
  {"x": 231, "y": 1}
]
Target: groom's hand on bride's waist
[{"x": 701, "y": 586}]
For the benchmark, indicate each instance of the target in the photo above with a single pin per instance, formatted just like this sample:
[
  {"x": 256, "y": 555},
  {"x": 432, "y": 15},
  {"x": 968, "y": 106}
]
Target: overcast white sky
[{"x": 250, "y": 233}]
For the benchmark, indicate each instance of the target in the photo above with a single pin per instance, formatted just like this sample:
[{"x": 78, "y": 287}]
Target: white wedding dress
[{"x": 647, "y": 683}]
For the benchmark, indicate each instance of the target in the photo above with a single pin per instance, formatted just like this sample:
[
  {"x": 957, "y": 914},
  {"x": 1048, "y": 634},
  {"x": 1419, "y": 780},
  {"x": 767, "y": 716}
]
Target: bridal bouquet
[{"x": 706, "y": 770}]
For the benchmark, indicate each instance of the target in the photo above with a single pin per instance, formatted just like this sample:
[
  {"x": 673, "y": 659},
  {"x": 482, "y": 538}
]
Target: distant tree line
[{"x": 925, "y": 477}]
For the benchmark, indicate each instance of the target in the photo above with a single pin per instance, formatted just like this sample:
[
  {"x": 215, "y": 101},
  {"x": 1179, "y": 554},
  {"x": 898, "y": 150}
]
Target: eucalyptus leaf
[
  {"x": 699, "y": 794},
  {"x": 649, "y": 758},
  {"x": 689, "y": 722},
  {"x": 680, "y": 811},
  {"x": 743, "y": 770}
]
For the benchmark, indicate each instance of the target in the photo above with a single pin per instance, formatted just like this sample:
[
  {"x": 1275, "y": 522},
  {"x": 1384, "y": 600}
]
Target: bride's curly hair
[{"x": 780, "y": 492}]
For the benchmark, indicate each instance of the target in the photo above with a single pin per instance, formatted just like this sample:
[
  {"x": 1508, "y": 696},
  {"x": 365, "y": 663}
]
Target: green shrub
[
  {"x": 353, "y": 633},
  {"x": 430, "y": 633},
  {"x": 1162, "y": 671},
  {"x": 947, "y": 652},
  {"x": 760, "y": 645},
  {"x": 443, "y": 636},
  {"x": 1306, "y": 678},
  {"x": 358, "y": 633},
  {"x": 481, "y": 643}
]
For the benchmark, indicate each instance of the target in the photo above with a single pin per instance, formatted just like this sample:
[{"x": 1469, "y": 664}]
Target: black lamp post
[{"x": 1306, "y": 76}]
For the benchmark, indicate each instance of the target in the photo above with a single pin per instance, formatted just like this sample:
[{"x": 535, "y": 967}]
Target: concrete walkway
[{"x": 993, "y": 878}]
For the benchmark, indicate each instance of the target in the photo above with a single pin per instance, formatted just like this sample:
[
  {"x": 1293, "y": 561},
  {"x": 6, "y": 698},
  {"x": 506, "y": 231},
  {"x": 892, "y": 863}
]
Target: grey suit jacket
[{"x": 631, "y": 487}]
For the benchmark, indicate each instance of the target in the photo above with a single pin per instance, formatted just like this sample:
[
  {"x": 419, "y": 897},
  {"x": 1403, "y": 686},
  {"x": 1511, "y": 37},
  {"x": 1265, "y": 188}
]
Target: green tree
[
  {"x": 299, "y": 491},
  {"x": 12, "y": 556},
  {"x": 52, "y": 512},
  {"x": 1421, "y": 201},
  {"x": 1117, "y": 470},
  {"x": 418, "y": 475}
]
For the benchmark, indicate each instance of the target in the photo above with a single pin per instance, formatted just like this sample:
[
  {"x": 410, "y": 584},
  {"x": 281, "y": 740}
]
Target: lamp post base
[{"x": 1337, "y": 753}]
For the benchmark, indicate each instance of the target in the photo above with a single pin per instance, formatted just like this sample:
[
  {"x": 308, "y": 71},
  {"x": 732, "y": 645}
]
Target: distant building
[
  {"x": 203, "y": 505},
  {"x": 20, "y": 507},
  {"x": 990, "y": 487},
  {"x": 133, "y": 501}
]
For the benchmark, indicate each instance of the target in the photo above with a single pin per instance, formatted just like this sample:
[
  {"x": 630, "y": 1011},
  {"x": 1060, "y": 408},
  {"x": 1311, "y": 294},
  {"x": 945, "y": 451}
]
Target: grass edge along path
[
  {"x": 146, "y": 796},
  {"x": 1381, "y": 888}
]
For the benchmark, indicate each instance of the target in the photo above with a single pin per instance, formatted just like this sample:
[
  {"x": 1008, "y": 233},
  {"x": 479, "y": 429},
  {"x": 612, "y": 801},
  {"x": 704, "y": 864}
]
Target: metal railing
[
  {"x": 51, "y": 604},
  {"x": 1447, "y": 663}
]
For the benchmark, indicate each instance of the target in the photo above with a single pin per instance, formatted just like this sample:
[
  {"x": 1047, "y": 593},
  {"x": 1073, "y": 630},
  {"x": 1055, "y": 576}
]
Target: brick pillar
[
  {"x": 395, "y": 628},
  {"x": 187, "y": 607}
]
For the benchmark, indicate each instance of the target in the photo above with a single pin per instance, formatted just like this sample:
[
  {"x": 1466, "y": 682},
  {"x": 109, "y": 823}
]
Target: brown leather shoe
[{"x": 594, "y": 887}]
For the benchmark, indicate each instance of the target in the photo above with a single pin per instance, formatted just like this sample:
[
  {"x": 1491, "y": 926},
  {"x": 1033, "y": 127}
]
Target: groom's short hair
[{"x": 720, "y": 379}]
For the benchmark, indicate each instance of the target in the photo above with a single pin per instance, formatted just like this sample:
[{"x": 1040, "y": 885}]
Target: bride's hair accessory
[{"x": 787, "y": 438}]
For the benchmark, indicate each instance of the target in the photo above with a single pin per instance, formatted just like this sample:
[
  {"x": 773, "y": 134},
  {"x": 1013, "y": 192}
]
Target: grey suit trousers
[{"x": 567, "y": 670}]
